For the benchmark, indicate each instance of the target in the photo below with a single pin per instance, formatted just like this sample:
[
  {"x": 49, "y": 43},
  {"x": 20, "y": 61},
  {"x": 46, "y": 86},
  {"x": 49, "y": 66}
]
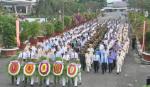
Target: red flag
[{"x": 17, "y": 32}]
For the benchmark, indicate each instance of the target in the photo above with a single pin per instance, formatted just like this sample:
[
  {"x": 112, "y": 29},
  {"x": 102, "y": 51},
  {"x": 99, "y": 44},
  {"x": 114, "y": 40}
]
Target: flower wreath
[
  {"x": 14, "y": 67},
  {"x": 58, "y": 68},
  {"x": 72, "y": 70},
  {"x": 44, "y": 68},
  {"x": 29, "y": 69}
]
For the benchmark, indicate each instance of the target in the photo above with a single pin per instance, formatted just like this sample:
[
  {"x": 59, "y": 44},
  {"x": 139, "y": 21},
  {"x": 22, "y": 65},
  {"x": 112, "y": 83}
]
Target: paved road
[{"x": 133, "y": 75}]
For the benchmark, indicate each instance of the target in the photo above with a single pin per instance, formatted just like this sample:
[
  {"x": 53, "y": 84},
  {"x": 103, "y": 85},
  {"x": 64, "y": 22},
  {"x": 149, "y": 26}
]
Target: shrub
[
  {"x": 8, "y": 31},
  {"x": 49, "y": 29},
  {"x": 34, "y": 29},
  {"x": 67, "y": 21},
  {"x": 58, "y": 26}
]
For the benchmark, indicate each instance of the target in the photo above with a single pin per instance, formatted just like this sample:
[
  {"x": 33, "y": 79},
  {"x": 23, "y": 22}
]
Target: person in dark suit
[
  {"x": 133, "y": 42},
  {"x": 82, "y": 61}
]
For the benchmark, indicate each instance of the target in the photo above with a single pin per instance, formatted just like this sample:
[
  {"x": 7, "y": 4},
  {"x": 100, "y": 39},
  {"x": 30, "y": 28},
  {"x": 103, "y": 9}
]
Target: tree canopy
[
  {"x": 140, "y": 4},
  {"x": 49, "y": 8}
]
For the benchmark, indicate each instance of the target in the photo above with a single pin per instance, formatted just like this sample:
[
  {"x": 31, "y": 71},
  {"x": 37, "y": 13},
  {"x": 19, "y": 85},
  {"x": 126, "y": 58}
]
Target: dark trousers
[
  {"x": 133, "y": 43},
  {"x": 114, "y": 64},
  {"x": 110, "y": 67},
  {"x": 96, "y": 66},
  {"x": 104, "y": 67},
  {"x": 82, "y": 61}
]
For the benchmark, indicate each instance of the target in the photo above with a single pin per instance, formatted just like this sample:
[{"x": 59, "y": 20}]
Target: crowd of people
[
  {"x": 112, "y": 51},
  {"x": 65, "y": 46}
]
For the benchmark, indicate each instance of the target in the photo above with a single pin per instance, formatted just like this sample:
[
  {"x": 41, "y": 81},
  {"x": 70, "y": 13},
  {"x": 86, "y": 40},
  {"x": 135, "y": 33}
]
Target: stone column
[
  {"x": 26, "y": 9},
  {"x": 15, "y": 9}
]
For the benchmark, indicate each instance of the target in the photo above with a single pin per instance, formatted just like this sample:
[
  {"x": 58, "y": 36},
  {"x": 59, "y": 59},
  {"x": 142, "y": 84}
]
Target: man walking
[
  {"x": 96, "y": 59},
  {"x": 88, "y": 60},
  {"x": 110, "y": 62},
  {"x": 104, "y": 60}
]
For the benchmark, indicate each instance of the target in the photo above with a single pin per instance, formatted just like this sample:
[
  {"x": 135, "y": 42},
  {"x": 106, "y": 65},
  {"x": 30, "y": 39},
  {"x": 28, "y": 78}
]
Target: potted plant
[{"x": 8, "y": 36}]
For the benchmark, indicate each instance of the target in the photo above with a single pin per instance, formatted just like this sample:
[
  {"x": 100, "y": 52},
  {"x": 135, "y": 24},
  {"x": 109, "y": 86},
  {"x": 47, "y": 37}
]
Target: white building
[
  {"x": 19, "y": 6},
  {"x": 116, "y": 6}
]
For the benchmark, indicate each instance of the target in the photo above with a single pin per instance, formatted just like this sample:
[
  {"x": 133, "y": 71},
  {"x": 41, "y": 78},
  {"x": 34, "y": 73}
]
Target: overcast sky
[{"x": 112, "y": 0}]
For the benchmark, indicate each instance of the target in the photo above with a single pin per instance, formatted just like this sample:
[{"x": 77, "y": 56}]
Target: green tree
[
  {"x": 34, "y": 29},
  {"x": 25, "y": 28},
  {"x": 46, "y": 8},
  {"x": 7, "y": 25}
]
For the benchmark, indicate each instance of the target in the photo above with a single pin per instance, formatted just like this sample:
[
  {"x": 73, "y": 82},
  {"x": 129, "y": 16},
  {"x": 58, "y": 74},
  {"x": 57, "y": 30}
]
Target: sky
[{"x": 112, "y": 0}]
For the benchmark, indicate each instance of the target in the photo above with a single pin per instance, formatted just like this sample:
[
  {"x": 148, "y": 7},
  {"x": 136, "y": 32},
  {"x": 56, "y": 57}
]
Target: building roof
[
  {"x": 117, "y": 4},
  {"x": 18, "y": 2}
]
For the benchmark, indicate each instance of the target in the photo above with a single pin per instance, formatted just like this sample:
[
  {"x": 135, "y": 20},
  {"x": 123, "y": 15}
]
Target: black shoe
[
  {"x": 32, "y": 85},
  {"x": 79, "y": 83},
  {"x": 17, "y": 84},
  {"x": 117, "y": 73}
]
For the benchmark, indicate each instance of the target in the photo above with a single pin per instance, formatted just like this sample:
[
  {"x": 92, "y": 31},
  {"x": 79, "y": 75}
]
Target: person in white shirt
[
  {"x": 66, "y": 57},
  {"x": 119, "y": 62},
  {"x": 90, "y": 49},
  {"x": 101, "y": 46},
  {"x": 23, "y": 55},
  {"x": 73, "y": 54},
  {"x": 88, "y": 60},
  {"x": 34, "y": 49},
  {"x": 31, "y": 54}
]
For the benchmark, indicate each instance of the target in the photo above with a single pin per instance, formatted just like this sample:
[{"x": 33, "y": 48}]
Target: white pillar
[
  {"x": 15, "y": 8},
  {"x": 26, "y": 9}
]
